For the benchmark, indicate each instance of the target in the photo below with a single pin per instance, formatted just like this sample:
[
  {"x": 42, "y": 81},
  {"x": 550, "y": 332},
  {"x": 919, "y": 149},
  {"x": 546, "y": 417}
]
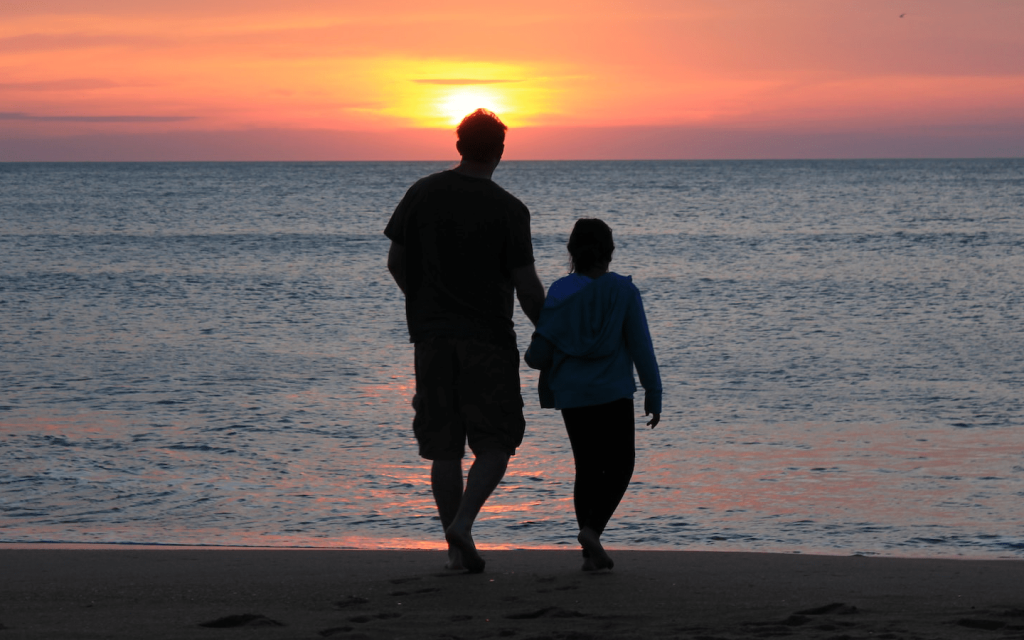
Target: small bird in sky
[{"x": 902, "y": 14}]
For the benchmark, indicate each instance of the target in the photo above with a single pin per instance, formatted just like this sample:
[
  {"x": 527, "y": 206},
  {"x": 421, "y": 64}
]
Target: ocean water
[{"x": 214, "y": 354}]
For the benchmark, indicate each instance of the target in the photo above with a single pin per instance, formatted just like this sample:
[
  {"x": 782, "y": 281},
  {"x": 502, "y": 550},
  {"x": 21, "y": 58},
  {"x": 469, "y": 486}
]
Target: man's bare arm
[
  {"x": 529, "y": 290},
  {"x": 396, "y": 264}
]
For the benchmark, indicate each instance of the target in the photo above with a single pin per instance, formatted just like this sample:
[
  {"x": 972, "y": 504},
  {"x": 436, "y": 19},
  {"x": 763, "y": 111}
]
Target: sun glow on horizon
[{"x": 438, "y": 94}]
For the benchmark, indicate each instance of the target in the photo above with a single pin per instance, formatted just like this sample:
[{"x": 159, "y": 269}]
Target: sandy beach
[{"x": 217, "y": 593}]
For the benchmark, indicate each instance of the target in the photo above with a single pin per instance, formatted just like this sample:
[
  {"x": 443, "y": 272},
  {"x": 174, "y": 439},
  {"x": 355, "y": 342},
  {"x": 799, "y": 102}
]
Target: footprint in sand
[
  {"x": 417, "y": 591},
  {"x": 403, "y": 580},
  {"x": 838, "y": 608},
  {"x": 349, "y": 601},
  {"x": 379, "y": 616},
  {"x": 241, "y": 620},
  {"x": 988, "y": 624},
  {"x": 552, "y": 612},
  {"x": 975, "y": 623},
  {"x": 803, "y": 617},
  {"x": 326, "y": 633}
]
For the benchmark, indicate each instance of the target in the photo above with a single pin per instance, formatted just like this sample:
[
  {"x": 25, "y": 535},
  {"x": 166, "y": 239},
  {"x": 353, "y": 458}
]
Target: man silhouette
[{"x": 460, "y": 246}]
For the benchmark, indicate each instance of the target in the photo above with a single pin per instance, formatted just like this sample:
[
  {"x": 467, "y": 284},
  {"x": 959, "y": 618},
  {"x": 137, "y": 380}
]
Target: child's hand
[{"x": 654, "y": 421}]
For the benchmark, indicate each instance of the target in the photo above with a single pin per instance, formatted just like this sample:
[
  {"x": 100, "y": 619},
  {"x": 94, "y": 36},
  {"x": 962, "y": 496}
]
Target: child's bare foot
[
  {"x": 591, "y": 541},
  {"x": 454, "y": 560},
  {"x": 463, "y": 544}
]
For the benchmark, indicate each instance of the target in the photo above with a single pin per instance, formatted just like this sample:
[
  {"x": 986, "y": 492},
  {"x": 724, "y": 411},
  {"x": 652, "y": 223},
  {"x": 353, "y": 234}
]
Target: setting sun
[{"x": 456, "y": 103}]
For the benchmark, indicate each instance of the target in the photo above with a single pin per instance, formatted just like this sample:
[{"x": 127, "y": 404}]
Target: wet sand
[{"x": 49, "y": 593}]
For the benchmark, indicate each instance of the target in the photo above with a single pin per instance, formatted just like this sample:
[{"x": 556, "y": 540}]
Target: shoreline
[
  {"x": 132, "y": 592},
  {"x": 483, "y": 546}
]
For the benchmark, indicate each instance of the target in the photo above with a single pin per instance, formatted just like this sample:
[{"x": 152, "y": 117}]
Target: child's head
[{"x": 590, "y": 245}]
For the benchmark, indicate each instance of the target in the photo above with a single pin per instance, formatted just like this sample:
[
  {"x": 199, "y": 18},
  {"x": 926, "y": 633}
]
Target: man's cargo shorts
[{"x": 466, "y": 389}]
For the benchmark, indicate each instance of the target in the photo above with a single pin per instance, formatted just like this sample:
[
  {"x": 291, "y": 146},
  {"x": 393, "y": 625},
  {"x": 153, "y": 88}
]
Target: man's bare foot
[
  {"x": 454, "y": 560},
  {"x": 463, "y": 543},
  {"x": 591, "y": 541}
]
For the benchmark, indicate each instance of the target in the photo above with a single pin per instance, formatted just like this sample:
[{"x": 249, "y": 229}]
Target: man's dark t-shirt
[{"x": 462, "y": 237}]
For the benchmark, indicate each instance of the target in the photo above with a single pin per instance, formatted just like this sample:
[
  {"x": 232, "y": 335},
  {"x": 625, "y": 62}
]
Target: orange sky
[{"x": 348, "y": 80}]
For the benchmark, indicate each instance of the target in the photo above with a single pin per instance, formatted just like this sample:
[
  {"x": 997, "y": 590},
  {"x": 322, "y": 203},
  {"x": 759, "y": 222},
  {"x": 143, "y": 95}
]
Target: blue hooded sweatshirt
[{"x": 590, "y": 334}]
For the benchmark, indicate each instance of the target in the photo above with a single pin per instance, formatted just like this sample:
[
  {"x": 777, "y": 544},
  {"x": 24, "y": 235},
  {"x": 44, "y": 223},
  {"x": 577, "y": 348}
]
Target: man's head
[{"x": 481, "y": 137}]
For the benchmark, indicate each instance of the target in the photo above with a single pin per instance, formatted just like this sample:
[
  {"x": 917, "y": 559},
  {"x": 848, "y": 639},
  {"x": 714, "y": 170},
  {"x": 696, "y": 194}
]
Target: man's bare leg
[
  {"x": 446, "y": 483},
  {"x": 487, "y": 471}
]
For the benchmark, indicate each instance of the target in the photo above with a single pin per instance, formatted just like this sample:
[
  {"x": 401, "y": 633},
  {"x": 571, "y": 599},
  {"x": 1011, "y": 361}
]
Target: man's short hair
[{"x": 481, "y": 136}]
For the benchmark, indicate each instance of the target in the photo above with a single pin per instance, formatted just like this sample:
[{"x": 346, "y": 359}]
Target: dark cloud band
[
  {"x": 26, "y": 116},
  {"x": 459, "y": 81},
  {"x": 73, "y": 84}
]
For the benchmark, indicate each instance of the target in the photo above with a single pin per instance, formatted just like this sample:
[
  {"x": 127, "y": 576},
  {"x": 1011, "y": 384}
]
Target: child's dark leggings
[{"x": 603, "y": 446}]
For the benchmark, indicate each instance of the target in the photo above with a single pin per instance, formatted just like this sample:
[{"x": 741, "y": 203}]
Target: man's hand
[{"x": 654, "y": 421}]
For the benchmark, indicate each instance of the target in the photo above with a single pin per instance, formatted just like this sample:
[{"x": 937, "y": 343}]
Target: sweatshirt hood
[{"x": 588, "y": 324}]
